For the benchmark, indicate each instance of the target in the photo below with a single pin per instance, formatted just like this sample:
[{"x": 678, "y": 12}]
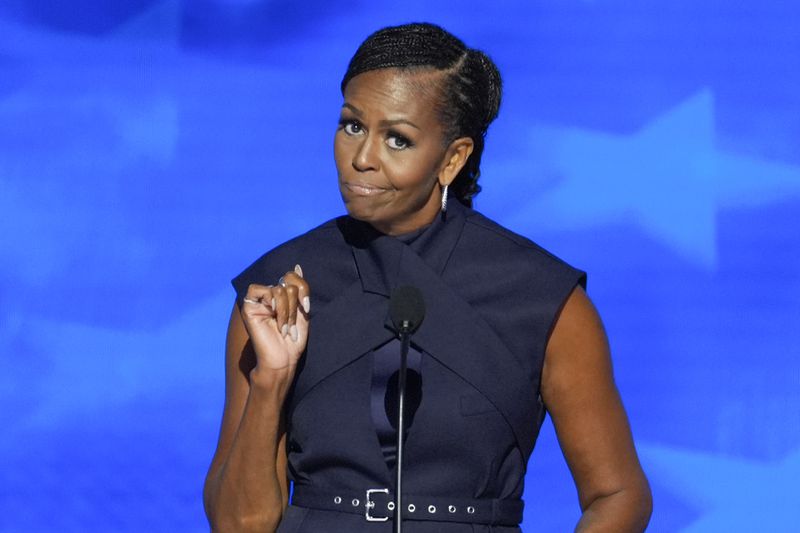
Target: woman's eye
[
  {"x": 398, "y": 142},
  {"x": 351, "y": 127}
]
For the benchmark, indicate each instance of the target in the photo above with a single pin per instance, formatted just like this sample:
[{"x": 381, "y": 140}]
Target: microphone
[{"x": 406, "y": 309}]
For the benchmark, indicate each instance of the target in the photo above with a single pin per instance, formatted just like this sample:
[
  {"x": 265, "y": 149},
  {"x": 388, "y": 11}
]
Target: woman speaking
[{"x": 508, "y": 334}]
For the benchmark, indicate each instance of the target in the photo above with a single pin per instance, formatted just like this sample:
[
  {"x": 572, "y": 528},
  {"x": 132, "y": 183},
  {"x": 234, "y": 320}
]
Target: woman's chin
[
  {"x": 361, "y": 209},
  {"x": 367, "y": 217}
]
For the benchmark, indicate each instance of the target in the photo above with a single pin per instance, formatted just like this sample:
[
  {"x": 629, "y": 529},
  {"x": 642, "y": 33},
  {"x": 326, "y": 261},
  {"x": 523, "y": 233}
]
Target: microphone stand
[
  {"x": 405, "y": 339},
  {"x": 406, "y": 309}
]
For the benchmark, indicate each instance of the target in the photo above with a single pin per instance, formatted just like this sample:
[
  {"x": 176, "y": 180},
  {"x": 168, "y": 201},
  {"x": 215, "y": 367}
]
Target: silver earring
[{"x": 444, "y": 198}]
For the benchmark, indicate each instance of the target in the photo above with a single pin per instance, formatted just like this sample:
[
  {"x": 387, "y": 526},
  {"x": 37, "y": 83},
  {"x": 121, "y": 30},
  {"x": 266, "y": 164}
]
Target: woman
[{"x": 508, "y": 333}]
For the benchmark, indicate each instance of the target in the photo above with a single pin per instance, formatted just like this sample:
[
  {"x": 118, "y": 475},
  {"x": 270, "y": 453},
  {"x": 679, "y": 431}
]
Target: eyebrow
[{"x": 384, "y": 123}]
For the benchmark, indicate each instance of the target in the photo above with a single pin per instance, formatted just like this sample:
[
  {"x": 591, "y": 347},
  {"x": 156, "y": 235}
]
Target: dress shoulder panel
[
  {"x": 517, "y": 286},
  {"x": 499, "y": 241},
  {"x": 321, "y": 250}
]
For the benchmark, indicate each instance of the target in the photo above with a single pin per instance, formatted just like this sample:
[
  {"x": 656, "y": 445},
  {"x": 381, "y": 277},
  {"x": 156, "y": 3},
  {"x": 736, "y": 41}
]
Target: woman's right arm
[{"x": 246, "y": 488}]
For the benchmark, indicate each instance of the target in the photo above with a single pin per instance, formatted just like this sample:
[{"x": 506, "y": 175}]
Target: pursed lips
[{"x": 364, "y": 189}]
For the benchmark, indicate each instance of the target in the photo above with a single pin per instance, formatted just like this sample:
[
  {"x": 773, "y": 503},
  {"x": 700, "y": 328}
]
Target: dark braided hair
[{"x": 470, "y": 91}]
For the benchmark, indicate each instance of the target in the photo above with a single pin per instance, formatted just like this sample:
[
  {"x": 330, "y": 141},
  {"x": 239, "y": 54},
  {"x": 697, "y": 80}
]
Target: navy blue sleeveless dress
[{"x": 491, "y": 299}]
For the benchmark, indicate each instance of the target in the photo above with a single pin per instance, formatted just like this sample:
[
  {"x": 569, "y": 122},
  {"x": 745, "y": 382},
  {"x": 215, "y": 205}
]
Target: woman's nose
[{"x": 366, "y": 157}]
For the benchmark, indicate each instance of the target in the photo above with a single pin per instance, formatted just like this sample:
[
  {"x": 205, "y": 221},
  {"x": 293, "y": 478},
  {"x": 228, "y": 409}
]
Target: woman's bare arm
[
  {"x": 246, "y": 488},
  {"x": 579, "y": 392}
]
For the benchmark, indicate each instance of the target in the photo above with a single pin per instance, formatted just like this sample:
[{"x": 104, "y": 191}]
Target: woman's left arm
[{"x": 579, "y": 392}]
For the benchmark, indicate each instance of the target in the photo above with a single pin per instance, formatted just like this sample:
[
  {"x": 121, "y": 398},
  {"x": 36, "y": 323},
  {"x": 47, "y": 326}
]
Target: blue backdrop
[{"x": 151, "y": 149}]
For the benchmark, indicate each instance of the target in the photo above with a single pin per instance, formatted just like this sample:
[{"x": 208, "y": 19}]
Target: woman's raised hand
[{"x": 276, "y": 319}]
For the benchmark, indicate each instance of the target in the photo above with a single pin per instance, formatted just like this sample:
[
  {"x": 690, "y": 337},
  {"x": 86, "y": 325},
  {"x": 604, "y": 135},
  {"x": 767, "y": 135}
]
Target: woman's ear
[{"x": 455, "y": 158}]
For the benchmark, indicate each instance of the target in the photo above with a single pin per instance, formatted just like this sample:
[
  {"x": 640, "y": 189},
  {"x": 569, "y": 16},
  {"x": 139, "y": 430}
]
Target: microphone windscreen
[{"x": 406, "y": 305}]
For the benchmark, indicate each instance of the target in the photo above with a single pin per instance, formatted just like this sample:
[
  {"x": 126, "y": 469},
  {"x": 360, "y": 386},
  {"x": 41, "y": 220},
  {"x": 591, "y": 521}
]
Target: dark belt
[{"x": 377, "y": 505}]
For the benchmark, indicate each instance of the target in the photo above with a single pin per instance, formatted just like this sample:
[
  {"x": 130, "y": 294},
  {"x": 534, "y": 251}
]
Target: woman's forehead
[{"x": 397, "y": 90}]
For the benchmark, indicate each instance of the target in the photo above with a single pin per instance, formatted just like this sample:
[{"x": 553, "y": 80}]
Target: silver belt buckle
[{"x": 369, "y": 504}]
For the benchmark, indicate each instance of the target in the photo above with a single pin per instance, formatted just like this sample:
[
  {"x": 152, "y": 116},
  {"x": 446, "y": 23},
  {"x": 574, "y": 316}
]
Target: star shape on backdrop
[
  {"x": 669, "y": 179},
  {"x": 143, "y": 133},
  {"x": 87, "y": 372},
  {"x": 731, "y": 494}
]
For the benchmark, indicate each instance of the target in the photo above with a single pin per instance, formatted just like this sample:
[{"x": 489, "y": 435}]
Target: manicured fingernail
[
  {"x": 294, "y": 333},
  {"x": 272, "y": 304},
  {"x": 306, "y": 304},
  {"x": 285, "y": 330},
  {"x": 298, "y": 270}
]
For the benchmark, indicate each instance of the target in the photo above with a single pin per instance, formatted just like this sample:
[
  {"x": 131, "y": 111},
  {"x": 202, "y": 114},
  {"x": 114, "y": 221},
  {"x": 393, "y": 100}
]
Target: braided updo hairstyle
[{"x": 469, "y": 92}]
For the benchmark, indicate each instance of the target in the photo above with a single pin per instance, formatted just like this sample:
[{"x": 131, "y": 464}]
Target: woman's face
[{"x": 389, "y": 150}]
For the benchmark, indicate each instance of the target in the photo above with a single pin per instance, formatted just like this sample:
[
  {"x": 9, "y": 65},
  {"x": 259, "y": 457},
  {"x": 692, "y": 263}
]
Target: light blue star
[
  {"x": 86, "y": 371},
  {"x": 733, "y": 494},
  {"x": 669, "y": 179}
]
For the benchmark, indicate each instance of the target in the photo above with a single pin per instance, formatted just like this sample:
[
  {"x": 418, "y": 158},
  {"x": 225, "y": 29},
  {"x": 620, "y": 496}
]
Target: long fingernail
[
  {"x": 284, "y": 330},
  {"x": 272, "y": 304},
  {"x": 294, "y": 333},
  {"x": 298, "y": 270},
  {"x": 306, "y": 304}
]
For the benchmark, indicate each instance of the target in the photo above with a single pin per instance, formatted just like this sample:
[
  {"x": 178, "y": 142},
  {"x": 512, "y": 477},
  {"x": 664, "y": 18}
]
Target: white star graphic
[
  {"x": 89, "y": 371},
  {"x": 669, "y": 179}
]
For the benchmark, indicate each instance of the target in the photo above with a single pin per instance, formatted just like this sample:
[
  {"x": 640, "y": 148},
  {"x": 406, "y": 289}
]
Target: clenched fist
[{"x": 276, "y": 319}]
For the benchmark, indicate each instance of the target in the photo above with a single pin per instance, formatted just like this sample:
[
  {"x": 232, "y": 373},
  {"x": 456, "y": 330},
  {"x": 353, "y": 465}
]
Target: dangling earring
[{"x": 444, "y": 198}]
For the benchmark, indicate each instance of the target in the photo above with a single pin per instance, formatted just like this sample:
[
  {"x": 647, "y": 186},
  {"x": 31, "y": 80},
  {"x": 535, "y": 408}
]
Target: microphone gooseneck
[{"x": 406, "y": 309}]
